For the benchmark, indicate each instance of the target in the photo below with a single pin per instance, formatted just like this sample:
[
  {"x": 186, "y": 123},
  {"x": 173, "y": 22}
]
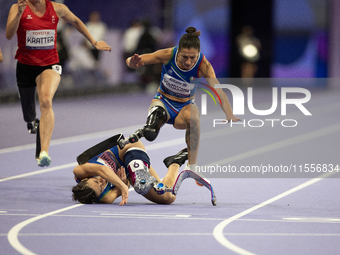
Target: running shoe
[
  {"x": 179, "y": 158},
  {"x": 44, "y": 159}
]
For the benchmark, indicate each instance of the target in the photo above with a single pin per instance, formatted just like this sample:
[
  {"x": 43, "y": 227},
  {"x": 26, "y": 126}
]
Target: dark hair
[
  {"x": 190, "y": 39},
  {"x": 83, "y": 193}
]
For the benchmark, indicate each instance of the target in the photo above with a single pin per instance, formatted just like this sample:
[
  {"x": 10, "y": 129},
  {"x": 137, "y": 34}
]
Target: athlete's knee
[
  {"x": 45, "y": 103},
  {"x": 156, "y": 119},
  {"x": 138, "y": 163}
]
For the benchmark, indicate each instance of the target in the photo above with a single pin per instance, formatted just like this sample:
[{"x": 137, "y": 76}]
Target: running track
[{"x": 296, "y": 214}]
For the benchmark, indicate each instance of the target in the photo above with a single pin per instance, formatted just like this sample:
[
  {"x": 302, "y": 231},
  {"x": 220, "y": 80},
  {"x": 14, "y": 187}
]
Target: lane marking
[
  {"x": 151, "y": 147},
  {"x": 174, "y": 234},
  {"x": 39, "y": 172},
  {"x": 178, "y": 234},
  {"x": 73, "y": 139},
  {"x": 12, "y": 235},
  {"x": 155, "y": 146},
  {"x": 144, "y": 215},
  {"x": 317, "y": 220},
  {"x": 218, "y": 230}
]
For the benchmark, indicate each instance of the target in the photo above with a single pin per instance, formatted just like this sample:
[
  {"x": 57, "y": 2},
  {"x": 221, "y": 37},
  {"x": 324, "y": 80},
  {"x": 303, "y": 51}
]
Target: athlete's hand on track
[
  {"x": 101, "y": 45},
  {"x": 135, "y": 61},
  {"x": 125, "y": 195}
]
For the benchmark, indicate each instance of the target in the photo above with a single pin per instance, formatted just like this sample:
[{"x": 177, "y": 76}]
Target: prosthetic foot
[
  {"x": 131, "y": 139},
  {"x": 33, "y": 126},
  {"x": 160, "y": 188},
  {"x": 190, "y": 174},
  {"x": 156, "y": 119}
]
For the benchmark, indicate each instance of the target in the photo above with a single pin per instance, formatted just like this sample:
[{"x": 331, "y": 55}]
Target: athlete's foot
[
  {"x": 44, "y": 159},
  {"x": 33, "y": 126},
  {"x": 179, "y": 158}
]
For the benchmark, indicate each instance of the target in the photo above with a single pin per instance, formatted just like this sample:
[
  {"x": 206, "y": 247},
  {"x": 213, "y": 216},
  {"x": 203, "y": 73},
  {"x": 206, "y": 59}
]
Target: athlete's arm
[
  {"x": 158, "y": 57},
  {"x": 1, "y": 57},
  {"x": 13, "y": 19},
  {"x": 64, "y": 12},
  {"x": 89, "y": 169},
  {"x": 110, "y": 197},
  {"x": 208, "y": 72}
]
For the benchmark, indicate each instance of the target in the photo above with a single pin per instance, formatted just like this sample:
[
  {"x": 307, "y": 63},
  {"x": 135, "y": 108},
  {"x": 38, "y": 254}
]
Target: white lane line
[
  {"x": 218, "y": 230},
  {"x": 178, "y": 141},
  {"x": 174, "y": 234},
  {"x": 145, "y": 215},
  {"x": 178, "y": 234},
  {"x": 73, "y": 139},
  {"x": 39, "y": 172},
  {"x": 151, "y": 147},
  {"x": 12, "y": 235}
]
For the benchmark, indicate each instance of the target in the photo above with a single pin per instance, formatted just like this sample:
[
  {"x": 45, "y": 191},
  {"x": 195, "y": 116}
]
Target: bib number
[{"x": 40, "y": 39}]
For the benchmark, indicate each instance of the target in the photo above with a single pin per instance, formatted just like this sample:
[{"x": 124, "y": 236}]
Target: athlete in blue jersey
[
  {"x": 108, "y": 175},
  {"x": 173, "y": 104}
]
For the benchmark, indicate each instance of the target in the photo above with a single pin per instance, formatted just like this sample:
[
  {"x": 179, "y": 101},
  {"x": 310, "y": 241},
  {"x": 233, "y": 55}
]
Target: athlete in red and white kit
[{"x": 35, "y": 23}]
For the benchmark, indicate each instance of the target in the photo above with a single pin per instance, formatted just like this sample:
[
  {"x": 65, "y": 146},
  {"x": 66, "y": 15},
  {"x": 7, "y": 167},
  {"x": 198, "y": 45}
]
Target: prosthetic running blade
[
  {"x": 190, "y": 174},
  {"x": 99, "y": 148},
  {"x": 38, "y": 143}
]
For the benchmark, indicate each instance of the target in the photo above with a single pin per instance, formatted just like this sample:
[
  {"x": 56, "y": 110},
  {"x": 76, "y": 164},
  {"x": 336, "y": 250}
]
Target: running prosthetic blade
[
  {"x": 190, "y": 174},
  {"x": 99, "y": 148},
  {"x": 38, "y": 143}
]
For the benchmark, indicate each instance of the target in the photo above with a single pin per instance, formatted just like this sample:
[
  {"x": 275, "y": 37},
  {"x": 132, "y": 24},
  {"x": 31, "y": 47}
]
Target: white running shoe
[{"x": 44, "y": 159}]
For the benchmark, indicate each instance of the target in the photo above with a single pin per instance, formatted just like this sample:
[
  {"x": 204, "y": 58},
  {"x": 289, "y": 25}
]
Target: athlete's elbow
[{"x": 9, "y": 35}]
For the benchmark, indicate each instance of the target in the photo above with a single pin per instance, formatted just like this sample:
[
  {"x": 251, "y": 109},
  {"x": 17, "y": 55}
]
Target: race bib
[
  {"x": 40, "y": 39},
  {"x": 107, "y": 159},
  {"x": 176, "y": 87}
]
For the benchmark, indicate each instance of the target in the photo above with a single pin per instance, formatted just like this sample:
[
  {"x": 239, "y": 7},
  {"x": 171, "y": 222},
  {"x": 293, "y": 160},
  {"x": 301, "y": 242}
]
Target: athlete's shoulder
[
  {"x": 59, "y": 8},
  {"x": 14, "y": 8},
  {"x": 163, "y": 55},
  {"x": 206, "y": 69}
]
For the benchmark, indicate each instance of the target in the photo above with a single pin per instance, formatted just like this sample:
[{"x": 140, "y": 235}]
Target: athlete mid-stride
[{"x": 38, "y": 69}]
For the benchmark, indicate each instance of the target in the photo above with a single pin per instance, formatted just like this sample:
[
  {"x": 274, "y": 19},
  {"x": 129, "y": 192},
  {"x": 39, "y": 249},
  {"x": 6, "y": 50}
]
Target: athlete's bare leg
[
  {"x": 188, "y": 119},
  {"x": 47, "y": 84}
]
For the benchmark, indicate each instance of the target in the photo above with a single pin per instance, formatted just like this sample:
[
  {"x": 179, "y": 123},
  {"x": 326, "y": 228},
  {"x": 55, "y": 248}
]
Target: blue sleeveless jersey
[{"x": 176, "y": 82}]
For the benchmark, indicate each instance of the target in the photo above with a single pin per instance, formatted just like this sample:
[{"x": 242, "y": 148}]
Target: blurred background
[{"x": 241, "y": 38}]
